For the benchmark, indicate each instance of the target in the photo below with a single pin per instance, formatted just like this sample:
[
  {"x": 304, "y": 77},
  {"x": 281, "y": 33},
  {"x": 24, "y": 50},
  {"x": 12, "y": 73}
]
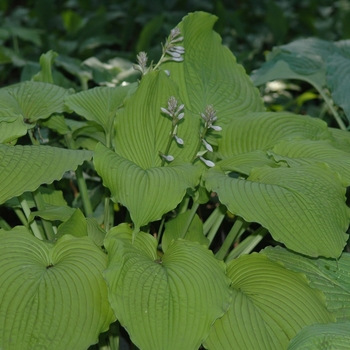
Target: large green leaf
[
  {"x": 209, "y": 74},
  {"x": 270, "y": 305},
  {"x": 322, "y": 336},
  {"x": 142, "y": 130},
  {"x": 302, "y": 207},
  {"x": 34, "y": 100},
  {"x": 25, "y": 168},
  {"x": 261, "y": 131},
  {"x": 47, "y": 290},
  {"x": 100, "y": 104},
  {"x": 168, "y": 303},
  {"x": 148, "y": 194},
  {"x": 332, "y": 277}
]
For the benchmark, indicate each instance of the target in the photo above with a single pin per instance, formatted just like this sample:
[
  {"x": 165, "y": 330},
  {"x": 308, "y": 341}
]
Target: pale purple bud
[
  {"x": 207, "y": 162},
  {"x": 180, "y": 116},
  {"x": 167, "y": 72},
  {"x": 216, "y": 127},
  {"x": 179, "y": 140},
  {"x": 207, "y": 146},
  {"x": 164, "y": 110},
  {"x": 168, "y": 157}
]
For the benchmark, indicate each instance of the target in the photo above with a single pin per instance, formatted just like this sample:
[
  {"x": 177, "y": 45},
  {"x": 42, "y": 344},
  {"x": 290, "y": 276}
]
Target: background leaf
[
  {"x": 168, "y": 303},
  {"x": 270, "y": 305}
]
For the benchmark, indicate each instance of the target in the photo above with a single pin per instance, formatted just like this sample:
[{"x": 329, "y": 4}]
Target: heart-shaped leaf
[
  {"x": 47, "y": 290},
  {"x": 165, "y": 303},
  {"x": 270, "y": 305}
]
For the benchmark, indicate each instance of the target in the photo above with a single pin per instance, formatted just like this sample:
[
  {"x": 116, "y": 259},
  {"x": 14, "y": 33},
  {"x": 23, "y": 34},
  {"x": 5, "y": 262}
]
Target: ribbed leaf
[
  {"x": 34, "y": 100},
  {"x": 300, "y": 206},
  {"x": 270, "y": 305},
  {"x": 322, "y": 336},
  {"x": 100, "y": 104},
  {"x": 308, "y": 152},
  {"x": 47, "y": 290},
  {"x": 12, "y": 126},
  {"x": 254, "y": 132},
  {"x": 25, "y": 168},
  {"x": 341, "y": 139},
  {"x": 330, "y": 276},
  {"x": 142, "y": 130},
  {"x": 148, "y": 194},
  {"x": 168, "y": 303},
  {"x": 210, "y": 74}
]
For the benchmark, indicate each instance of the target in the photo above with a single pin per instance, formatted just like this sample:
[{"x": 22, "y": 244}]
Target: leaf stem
[
  {"x": 238, "y": 227},
  {"x": 248, "y": 244},
  {"x": 185, "y": 227},
  {"x": 33, "y": 225},
  {"x": 4, "y": 225},
  {"x": 212, "y": 224},
  {"x": 40, "y": 204}
]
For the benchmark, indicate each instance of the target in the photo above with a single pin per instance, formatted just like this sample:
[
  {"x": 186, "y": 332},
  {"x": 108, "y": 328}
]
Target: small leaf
[
  {"x": 270, "y": 305},
  {"x": 47, "y": 290},
  {"x": 12, "y": 126},
  {"x": 25, "y": 168},
  {"x": 168, "y": 303},
  {"x": 174, "y": 229}
]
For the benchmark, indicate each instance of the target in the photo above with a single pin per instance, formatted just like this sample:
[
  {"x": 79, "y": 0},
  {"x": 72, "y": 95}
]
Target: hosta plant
[{"x": 191, "y": 134}]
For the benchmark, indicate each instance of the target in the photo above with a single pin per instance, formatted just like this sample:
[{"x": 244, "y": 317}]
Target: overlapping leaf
[
  {"x": 330, "y": 276},
  {"x": 25, "y": 168},
  {"x": 166, "y": 303},
  {"x": 147, "y": 193},
  {"x": 270, "y": 305},
  {"x": 47, "y": 290},
  {"x": 302, "y": 207},
  {"x": 12, "y": 126}
]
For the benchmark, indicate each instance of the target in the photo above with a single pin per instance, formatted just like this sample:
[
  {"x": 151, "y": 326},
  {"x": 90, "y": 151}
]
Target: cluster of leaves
[{"x": 152, "y": 142}]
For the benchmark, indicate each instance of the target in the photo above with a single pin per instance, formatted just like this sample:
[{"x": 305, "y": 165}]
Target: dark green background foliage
[{"x": 106, "y": 29}]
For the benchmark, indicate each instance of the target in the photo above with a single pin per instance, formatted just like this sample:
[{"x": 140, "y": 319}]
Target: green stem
[
  {"x": 107, "y": 219},
  {"x": 80, "y": 180},
  {"x": 160, "y": 231},
  {"x": 33, "y": 225},
  {"x": 84, "y": 192},
  {"x": 219, "y": 217},
  {"x": 40, "y": 204},
  {"x": 238, "y": 227},
  {"x": 185, "y": 227},
  {"x": 184, "y": 205},
  {"x": 329, "y": 104},
  {"x": 248, "y": 244},
  {"x": 167, "y": 149},
  {"x": 4, "y": 225}
]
